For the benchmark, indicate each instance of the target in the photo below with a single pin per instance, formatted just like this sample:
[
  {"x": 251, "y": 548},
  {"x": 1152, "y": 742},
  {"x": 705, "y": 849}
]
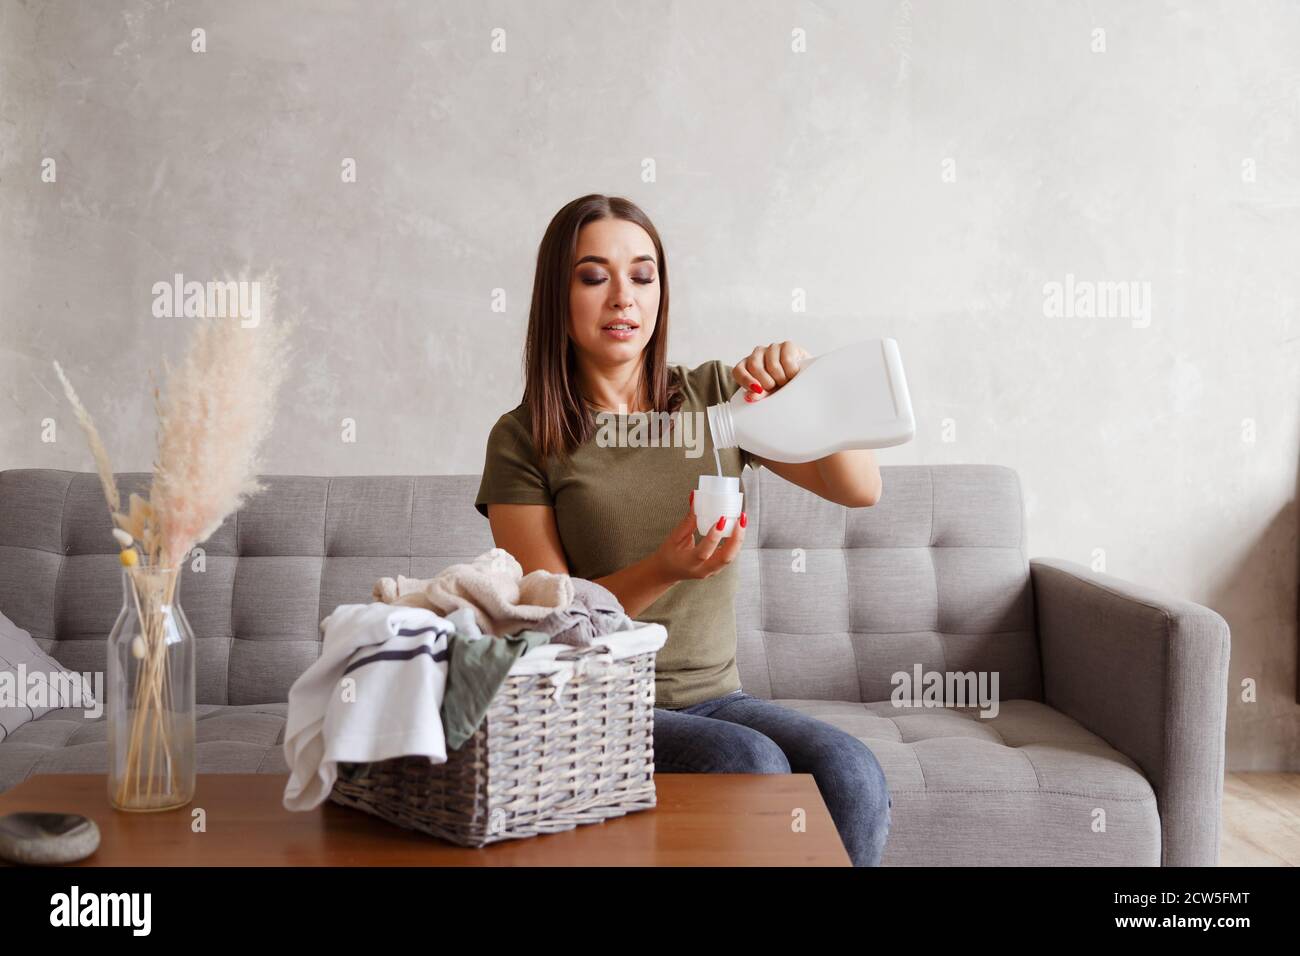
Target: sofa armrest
[{"x": 1148, "y": 674}]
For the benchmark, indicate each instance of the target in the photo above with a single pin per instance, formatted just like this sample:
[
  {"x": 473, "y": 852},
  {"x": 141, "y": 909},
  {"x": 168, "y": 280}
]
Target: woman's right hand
[{"x": 680, "y": 558}]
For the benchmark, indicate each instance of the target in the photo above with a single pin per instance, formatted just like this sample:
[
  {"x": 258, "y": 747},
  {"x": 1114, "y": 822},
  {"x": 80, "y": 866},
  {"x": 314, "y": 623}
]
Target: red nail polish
[
  {"x": 743, "y": 523},
  {"x": 722, "y": 522},
  {"x": 755, "y": 387}
]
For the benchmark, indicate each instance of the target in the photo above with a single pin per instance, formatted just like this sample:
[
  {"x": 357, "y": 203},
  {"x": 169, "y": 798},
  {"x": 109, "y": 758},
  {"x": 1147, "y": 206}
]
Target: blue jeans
[{"x": 741, "y": 733}]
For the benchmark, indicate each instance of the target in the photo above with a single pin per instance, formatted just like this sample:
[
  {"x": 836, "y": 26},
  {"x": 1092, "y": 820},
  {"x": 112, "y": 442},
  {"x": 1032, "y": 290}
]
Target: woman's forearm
[
  {"x": 851, "y": 476},
  {"x": 638, "y": 585}
]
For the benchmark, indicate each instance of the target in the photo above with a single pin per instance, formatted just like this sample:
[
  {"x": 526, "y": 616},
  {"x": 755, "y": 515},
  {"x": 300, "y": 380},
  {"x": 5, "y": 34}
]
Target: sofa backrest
[
  {"x": 835, "y": 600},
  {"x": 831, "y": 600}
]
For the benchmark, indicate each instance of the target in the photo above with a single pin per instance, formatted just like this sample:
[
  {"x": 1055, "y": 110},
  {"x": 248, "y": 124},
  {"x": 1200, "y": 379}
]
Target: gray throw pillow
[{"x": 16, "y": 704}]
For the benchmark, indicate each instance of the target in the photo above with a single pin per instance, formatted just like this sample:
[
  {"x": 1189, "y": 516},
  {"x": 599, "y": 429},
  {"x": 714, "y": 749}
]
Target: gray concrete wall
[{"x": 920, "y": 170}]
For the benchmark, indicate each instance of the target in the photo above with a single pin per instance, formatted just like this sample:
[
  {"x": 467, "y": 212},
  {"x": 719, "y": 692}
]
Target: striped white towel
[{"x": 375, "y": 692}]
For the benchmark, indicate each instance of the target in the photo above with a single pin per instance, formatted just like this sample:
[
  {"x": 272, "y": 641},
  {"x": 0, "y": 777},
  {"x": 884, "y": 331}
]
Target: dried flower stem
[{"x": 102, "y": 464}]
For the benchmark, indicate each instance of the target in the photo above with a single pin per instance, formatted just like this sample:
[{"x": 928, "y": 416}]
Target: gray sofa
[{"x": 1112, "y": 696}]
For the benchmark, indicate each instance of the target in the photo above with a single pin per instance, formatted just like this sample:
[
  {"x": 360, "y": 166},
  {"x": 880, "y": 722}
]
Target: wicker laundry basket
[{"x": 550, "y": 755}]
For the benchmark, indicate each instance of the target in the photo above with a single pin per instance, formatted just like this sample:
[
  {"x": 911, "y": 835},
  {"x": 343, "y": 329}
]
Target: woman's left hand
[{"x": 768, "y": 367}]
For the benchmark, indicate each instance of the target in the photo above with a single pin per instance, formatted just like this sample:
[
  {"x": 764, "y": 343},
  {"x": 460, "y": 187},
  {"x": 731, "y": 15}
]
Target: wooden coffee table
[{"x": 700, "y": 820}]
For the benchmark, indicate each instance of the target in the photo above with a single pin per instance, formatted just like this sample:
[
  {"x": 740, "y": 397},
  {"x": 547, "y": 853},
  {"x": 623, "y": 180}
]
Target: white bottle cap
[
  {"x": 718, "y": 496},
  {"x": 719, "y": 485}
]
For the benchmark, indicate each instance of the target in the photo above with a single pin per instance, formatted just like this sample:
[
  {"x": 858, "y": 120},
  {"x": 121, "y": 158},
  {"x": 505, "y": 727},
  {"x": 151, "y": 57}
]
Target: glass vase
[{"x": 150, "y": 690}]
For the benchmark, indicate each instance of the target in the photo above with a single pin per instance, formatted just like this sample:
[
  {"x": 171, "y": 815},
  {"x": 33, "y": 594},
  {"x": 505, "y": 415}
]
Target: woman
[{"x": 565, "y": 499}]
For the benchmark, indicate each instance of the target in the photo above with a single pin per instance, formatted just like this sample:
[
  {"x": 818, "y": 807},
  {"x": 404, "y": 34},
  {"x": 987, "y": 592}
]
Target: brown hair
[{"x": 561, "y": 419}]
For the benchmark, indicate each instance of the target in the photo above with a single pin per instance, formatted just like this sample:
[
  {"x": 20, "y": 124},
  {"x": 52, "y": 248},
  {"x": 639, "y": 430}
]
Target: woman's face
[{"x": 615, "y": 281}]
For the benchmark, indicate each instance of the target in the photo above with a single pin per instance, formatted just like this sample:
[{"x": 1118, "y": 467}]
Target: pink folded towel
[{"x": 503, "y": 598}]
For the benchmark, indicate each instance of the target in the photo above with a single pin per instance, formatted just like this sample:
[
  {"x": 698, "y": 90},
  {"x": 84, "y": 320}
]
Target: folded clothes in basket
[
  {"x": 505, "y": 601},
  {"x": 395, "y": 681},
  {"x": 594, "y": 613},
  {"x": 390, "y": 682}
]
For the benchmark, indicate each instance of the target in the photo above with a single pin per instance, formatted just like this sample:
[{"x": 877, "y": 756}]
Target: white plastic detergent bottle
[{"x": 851, "y": 397}]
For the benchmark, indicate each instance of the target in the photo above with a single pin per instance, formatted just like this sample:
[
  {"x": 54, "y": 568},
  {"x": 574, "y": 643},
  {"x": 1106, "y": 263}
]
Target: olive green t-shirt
[{"x": 614, "y": 505}]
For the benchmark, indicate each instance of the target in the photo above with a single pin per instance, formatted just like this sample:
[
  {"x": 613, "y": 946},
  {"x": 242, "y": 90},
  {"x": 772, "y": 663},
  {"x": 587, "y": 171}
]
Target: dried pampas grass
[{"x": 214, "y": 414}]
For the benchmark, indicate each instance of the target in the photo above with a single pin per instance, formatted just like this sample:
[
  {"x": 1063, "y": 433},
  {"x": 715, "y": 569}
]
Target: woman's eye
[{"x": 597, "y": 280}]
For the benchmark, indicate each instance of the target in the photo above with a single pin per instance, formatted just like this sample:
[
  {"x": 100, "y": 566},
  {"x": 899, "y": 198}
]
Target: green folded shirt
[{"x": 476, "y": 669}]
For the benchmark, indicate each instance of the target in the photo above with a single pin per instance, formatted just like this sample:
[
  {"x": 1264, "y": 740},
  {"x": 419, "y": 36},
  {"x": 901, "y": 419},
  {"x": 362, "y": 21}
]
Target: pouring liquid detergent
[{"x": 851, "y": 397}]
